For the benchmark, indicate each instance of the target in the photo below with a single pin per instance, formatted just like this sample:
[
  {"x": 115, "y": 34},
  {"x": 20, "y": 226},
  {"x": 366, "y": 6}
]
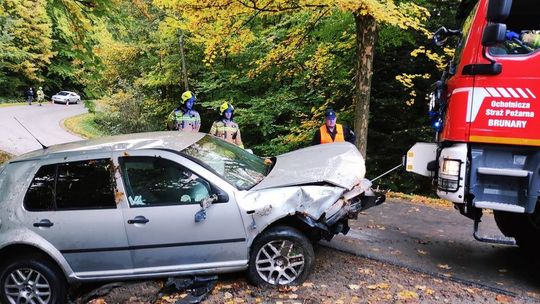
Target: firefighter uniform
[
  {"x": 228, "y": 131},
  {"x": 185, "y": 118},
  {"x": 182, "y": 120}
]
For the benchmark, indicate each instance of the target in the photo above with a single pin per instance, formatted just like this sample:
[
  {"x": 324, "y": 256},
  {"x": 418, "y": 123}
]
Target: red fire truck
[{"x": 486, "y": 113}]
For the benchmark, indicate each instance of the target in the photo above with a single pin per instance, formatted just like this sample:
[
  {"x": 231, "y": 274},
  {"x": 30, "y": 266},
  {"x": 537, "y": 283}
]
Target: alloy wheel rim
[
  {"x": 27, "y": 286},
  {"x": 280, "y": 262}
]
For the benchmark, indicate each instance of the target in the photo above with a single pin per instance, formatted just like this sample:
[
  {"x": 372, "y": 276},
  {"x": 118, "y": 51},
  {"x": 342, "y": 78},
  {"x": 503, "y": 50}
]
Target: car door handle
[
  {"x": 44, "y": 223},
  {"x": 138, "y": 220}
]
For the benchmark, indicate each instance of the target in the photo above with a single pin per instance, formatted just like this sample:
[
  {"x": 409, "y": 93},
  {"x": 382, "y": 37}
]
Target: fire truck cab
[{"x": 486, "y": 113}]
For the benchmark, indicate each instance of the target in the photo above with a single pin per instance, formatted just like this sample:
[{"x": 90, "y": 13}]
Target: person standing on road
[
  {"x": 332, "y": 132},
  {"x": 40, "y": 96},
  {"x": 225, "y": 127},
  {"x": 185, "y": 118},
  {"x": 29, "y": 96}
]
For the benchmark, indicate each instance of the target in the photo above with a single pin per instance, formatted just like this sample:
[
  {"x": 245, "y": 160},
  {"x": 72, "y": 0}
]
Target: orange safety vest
[{"x": 326, "y": 138}]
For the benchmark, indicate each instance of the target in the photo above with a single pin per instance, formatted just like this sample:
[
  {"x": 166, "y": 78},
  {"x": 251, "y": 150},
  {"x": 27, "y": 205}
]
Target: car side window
[
  {"x": 75, "y": 185},
  {"x": 154, "y": 181},
  {"x": 40, "y": 194},
  {"x": 85, "y": 185}
]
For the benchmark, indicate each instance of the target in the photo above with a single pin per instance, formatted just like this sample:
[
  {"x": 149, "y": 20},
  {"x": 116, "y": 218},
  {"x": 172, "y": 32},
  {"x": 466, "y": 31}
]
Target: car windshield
[
  {"x": 234, "y": 164},
  {"x": 63, "y": 93}
]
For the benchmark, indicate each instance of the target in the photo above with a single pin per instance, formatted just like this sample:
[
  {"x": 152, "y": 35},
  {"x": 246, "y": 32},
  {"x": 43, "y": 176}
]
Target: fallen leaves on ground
[{"x": 342, "y": 278}]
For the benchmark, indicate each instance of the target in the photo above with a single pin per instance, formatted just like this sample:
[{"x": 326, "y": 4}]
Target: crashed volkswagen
[{"x": 167, "y": 204}]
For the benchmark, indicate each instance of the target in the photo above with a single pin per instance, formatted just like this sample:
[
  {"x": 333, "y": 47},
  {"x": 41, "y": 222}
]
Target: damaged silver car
[{"x": 167, "y": 204}]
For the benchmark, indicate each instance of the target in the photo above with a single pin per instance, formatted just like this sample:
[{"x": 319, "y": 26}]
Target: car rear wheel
[
  {"x": 31, "y": 279},
  {"x": 281, "y": 256}
]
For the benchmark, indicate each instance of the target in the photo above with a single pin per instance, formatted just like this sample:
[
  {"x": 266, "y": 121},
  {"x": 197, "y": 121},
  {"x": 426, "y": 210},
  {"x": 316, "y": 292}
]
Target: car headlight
[{"x": 451, "y": 167}]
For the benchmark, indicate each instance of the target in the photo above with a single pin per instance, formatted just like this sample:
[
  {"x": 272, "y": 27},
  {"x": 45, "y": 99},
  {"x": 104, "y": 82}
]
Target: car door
[
  {"x": 163, "y": 191},
  {"x": 72, "y": 205}
]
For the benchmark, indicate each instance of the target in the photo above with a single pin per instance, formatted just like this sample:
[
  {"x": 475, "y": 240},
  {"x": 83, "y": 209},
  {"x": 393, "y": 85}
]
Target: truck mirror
[
  {"x": 498, "y": 10},
  {"x": 441, "y": 35},
  {"x": 494, "y": 34}
]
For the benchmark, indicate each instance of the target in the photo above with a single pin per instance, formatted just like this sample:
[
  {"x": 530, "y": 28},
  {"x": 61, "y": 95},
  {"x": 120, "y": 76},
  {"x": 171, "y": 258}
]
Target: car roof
[{"x": 172, "y": 140}]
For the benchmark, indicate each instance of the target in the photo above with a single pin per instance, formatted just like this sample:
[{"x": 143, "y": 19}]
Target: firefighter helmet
[
  {"x": 224, "y": 107},
  {"x": 188, "y": 96}
]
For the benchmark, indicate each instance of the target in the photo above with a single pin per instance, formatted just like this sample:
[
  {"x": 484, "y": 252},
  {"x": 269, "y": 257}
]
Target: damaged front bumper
[{"x": 335, "y": 219}]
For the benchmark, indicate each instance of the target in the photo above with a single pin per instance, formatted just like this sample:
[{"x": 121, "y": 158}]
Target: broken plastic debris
[{"x": 197, "y": 288}]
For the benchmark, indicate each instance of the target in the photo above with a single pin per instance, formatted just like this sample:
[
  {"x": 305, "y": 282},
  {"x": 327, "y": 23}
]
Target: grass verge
[
  {"x": 4, "y": 156},
  {"x": 83, "y": 125},
  {"x": 10, "y": 104}
]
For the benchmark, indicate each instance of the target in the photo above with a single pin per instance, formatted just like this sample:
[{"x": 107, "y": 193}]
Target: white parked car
[{"x": 66, "y": 97}]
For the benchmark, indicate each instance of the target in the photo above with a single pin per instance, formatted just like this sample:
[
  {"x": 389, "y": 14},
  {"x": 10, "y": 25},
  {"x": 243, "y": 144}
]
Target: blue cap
[{"x": 330, "y": 114}]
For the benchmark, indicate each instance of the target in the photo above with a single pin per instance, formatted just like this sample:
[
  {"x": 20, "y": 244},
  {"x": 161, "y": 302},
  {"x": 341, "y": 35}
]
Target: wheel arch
[
  {"x": 313, "y": 233},
  {"x": 17, "y": 249}
]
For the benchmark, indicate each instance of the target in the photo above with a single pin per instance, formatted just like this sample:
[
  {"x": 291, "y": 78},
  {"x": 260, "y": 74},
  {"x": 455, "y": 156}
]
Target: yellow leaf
[
  {"x": 422, "y": 252},
  {"x": 444, "y": 266},
  {"x": 502, "y": 299},
  {"x": 407, "y": 295},
  {"x": 379, "y": 286}
]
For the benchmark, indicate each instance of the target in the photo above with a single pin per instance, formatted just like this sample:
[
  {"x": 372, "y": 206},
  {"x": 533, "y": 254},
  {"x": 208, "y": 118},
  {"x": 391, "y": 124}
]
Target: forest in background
[{"x": 281, "y": 64}]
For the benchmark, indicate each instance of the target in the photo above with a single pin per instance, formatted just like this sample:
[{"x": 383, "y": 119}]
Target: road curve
[{"x": 44, "y": 122}]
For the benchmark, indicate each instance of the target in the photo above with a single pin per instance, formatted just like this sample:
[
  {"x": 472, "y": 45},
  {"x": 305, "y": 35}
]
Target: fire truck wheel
[
  {"x": 525, "y": 228},
  {"x": 509, "y": 223}
]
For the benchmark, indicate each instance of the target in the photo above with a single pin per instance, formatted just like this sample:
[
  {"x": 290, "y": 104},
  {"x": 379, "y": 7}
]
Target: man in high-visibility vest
[
  {"x": 185, "y": 118},
  {"x": 332, "y": 132}
]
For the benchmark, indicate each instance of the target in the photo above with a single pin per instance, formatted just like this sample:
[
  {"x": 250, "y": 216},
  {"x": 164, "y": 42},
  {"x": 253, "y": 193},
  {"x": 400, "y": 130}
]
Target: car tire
[
  {"x": 282, "y": 255},
  {"x": 32, "y": 276}
]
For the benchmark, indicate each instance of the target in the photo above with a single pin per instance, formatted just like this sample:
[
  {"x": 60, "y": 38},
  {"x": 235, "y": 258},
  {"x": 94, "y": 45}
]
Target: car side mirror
[
  {"x": 498, "y": 10},
  {"x": 494, "y": 34},
  {"x": 205, "y": 203}
]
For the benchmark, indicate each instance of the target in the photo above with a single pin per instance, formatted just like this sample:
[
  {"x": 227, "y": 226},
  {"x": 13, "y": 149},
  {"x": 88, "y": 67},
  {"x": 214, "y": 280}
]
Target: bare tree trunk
[
  {"x": 184, "y": 72},
  {"x": 366, "y": 36}
]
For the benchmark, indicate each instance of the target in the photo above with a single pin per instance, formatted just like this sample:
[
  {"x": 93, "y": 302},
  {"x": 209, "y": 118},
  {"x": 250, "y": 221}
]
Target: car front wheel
[
  {"x": 281, "y": 256},
  {"x": 31, "y": 280}
]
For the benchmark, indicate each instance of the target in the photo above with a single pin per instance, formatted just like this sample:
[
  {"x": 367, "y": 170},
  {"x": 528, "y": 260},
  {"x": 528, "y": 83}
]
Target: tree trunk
[{"x": 366, "y": 35}]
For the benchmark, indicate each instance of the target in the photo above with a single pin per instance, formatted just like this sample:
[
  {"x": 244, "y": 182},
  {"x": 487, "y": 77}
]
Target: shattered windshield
[{"x": 234, "y": 164}]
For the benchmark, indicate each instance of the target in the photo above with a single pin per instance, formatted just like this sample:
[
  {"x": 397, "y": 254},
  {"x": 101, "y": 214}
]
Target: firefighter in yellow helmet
[
  {"x": 225, "y": 128},
  {"x": 185, "y": 118}
]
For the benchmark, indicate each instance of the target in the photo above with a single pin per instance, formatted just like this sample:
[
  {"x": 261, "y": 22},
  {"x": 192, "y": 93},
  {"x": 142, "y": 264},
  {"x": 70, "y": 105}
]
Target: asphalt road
[
  {"x": 438, "y": 241},
  {"x": 44, "y": 122}
]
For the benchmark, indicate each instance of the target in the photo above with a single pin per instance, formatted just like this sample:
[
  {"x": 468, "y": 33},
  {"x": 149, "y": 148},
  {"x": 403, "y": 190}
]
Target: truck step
[
  {"x": 501, "y": 240},
  {"x": 503, "y": 172},
  {"x": 499, "y": 206}
]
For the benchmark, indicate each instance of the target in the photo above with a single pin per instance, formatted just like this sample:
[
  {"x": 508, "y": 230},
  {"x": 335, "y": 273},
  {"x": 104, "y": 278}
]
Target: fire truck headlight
[{"x": 451, "y": 167}]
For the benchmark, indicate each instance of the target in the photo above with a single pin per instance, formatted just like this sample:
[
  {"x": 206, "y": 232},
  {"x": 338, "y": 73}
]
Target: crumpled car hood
[{"x": 339, "y": 164}]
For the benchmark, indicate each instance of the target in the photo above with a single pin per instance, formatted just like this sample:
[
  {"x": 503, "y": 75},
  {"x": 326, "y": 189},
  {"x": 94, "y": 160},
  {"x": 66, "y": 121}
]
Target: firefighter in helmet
[
  {"x": 225, "y": 127},
  {"x": 40, "y": 95},
  {"x": 333, "y": 132},
  {"x": 531, "y": 38},
  {"x": 185, "y": 118}
]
